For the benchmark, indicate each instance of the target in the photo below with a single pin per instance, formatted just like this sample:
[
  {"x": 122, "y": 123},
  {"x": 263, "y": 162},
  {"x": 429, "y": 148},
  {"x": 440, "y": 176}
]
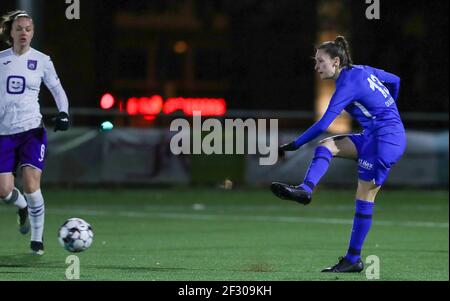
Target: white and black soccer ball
[{"x": 75, "y": 235}]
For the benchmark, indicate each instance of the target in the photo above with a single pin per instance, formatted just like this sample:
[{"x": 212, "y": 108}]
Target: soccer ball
[{"x": 75, "y": 235}]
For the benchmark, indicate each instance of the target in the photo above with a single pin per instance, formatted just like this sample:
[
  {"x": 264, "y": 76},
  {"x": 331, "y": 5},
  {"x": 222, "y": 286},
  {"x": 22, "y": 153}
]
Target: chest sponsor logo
[{"x": 15, "y": 84}]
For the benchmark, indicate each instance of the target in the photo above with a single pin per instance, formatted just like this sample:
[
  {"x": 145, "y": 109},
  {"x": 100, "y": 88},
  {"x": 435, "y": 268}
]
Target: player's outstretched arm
[{"x": 310, "y": 134}]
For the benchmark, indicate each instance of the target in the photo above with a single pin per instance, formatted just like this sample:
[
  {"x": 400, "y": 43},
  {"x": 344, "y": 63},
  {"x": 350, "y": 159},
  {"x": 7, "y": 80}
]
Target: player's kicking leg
[
  {"x": 291, "y": 192},
  {"x": 336, "y": 146}
]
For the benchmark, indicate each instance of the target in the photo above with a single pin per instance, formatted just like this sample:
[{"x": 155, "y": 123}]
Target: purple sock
[
  {"x": 317, "y": 168},
  {"x": 361, "y": 226}
]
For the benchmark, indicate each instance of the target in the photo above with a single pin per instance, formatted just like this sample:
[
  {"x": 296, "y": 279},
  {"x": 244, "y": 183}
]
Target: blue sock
[
  {"x": 361, "y": 226},
  {"x": 317, "y": 168}
]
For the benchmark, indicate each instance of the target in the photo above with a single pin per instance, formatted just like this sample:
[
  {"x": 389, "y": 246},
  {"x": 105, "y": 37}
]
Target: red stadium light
[
  {"x": 208, "y": 106},
  {"x": 132, "y": 106},
  {"x": 154, "y": 105},
  {"x": 144, "y": 105},
  {"x": 107, "y": 101},
  {"x": 151, "y": 106}
]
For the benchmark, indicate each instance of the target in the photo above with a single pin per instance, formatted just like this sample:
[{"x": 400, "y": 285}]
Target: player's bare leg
[
  {"x": 11, "y": 195},
  {"x": 6, "y": 185},
  {"x": 340, "y": 146},
  {"x": 367, "y": 191}
]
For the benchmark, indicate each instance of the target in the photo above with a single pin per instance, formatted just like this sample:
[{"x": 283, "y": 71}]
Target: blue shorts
[
  {"x": 377, "y": 154},
  {"x": 23, "y": 149}
]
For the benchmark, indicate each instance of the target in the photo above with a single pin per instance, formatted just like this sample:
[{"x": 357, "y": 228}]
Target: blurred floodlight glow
[
  {"x": 180, "y": 47},
  {"x": 154, "y": 105},
  {"x": 106, "y": 126},
  {"x": 145, "y": 105},
  {"x": 107, "y": 101}
]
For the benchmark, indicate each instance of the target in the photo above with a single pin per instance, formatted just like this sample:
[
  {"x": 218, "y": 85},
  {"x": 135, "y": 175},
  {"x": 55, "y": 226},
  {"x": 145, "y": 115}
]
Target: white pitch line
[
  {"x": 215, "y": 217},
  {"x": 75, "y": 142}
]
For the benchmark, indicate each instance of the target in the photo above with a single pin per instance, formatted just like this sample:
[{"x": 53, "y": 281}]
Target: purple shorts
[
  {"x": 377, "y": 154},
  {"x": 23, "y": 149}
]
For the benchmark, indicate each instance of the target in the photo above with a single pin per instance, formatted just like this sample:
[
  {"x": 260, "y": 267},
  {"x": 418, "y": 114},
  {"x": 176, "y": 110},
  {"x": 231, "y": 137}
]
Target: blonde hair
[{"x": 6, "y": 22}]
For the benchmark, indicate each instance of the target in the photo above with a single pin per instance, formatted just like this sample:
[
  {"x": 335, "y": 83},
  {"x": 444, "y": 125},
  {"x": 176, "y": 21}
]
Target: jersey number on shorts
[{"x": 42, "y": 153}]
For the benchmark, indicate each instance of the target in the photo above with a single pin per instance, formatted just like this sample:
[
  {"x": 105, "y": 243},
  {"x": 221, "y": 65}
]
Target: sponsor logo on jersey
[
  {"x": 364, "y": 164},
  {"x": 32, "y": 64},
  {"x": 15, "y": 84},
  {"x": 6, "y": 63}
]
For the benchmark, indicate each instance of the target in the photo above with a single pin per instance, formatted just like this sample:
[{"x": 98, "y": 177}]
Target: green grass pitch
[{"x": 212, "y": 234}]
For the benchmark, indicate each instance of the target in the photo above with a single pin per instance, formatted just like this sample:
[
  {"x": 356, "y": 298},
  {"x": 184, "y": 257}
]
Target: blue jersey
[
  {"x": 360, "y": 91},
  {"x": 368, "y": 95}
]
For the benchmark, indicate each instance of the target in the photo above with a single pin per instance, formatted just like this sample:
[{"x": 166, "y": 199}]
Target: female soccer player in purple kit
[
  {"x": 369, "y": 96},
  {"x": 23, "y": 139}
]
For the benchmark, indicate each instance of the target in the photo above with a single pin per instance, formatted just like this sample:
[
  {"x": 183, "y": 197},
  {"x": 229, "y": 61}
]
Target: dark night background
[{"x": 255, "y": 53}]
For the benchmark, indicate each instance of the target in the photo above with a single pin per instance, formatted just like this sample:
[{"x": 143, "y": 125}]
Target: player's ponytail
[
  {"x": 342, "y": 42},
  {"x": 6, "y": 22},
  {"x": 338, "y": 48}
]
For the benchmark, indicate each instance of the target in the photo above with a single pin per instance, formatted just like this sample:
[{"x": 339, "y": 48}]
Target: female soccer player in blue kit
[
  {"x": 369, "y": 96},
  {"x": 23, "y": 138}
]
